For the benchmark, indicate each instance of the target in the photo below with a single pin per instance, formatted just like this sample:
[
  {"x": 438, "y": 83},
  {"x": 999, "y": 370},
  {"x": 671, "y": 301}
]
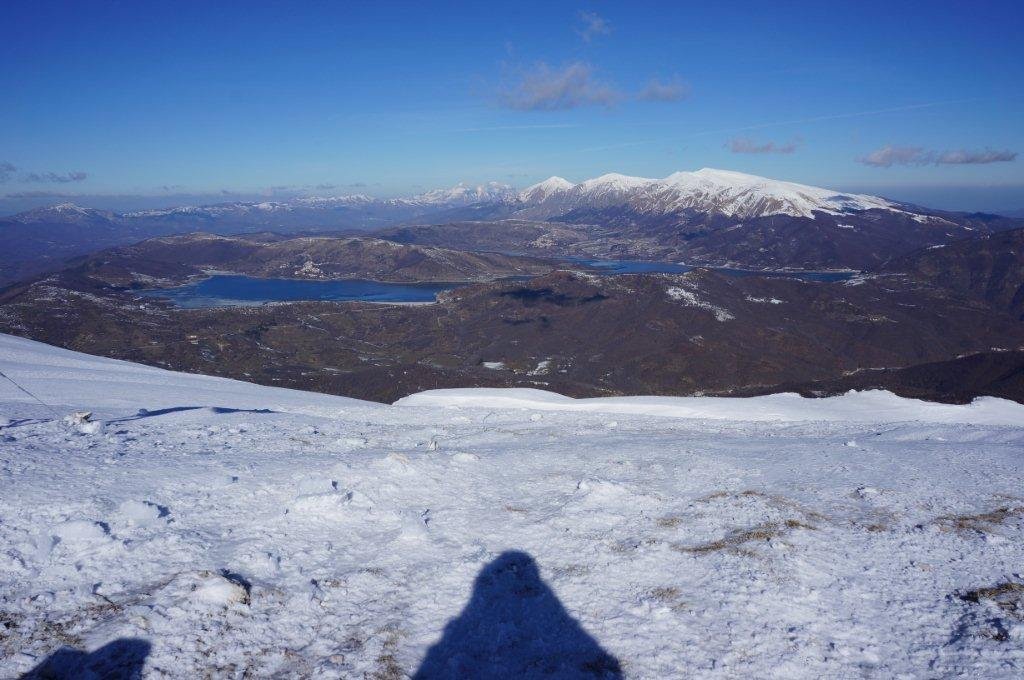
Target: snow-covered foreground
[{"x": 216, "y": 528}]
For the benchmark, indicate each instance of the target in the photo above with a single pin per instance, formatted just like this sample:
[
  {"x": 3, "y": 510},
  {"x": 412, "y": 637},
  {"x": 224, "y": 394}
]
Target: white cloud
[
  {"x": 546, "y": 89},
  {"x": 590, "y": 25},
  {"x": 745, "y": 145},
  {"x": 975, "y": 157},
  {"x": 890, "y": 155},
  {"x": 672, "y": 90}
]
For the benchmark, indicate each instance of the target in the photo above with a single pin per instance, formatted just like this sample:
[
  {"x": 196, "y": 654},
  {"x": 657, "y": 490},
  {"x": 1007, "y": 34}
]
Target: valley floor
[{"x": 209, "y": 527}]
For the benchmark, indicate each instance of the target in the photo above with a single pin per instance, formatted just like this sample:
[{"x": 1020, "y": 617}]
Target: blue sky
[{"x": 129, "y": 103}]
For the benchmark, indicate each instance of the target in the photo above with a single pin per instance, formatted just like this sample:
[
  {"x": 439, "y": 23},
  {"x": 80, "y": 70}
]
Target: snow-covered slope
[
  {"x": 734, "y": 194},
  {"x": 876, "y": 406},
  {"x": 741, "y": 195},
  {"x": 542, "y": 191},
  {"x": 70, "y": 380},
  {"x": 208, "y": 527}
]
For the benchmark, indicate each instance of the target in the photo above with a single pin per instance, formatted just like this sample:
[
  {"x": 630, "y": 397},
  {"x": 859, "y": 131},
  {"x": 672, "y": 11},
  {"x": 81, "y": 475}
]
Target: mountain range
[
  {"x": 713, "y": 217},
  {"x": 707, "y": 191}
]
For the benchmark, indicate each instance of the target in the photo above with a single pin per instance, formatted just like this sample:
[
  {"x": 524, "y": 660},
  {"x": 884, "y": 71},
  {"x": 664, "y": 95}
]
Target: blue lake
[
  {"x": 229, "y": 290},
  {"x": 644, "y": 267}
]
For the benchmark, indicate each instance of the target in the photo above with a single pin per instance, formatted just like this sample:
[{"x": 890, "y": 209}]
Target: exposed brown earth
[
  {"x": 574, "y": 333},
  {"x": 989, "y": 267},
  {"x": 958, "y": 381},
  {"x": 858, "y": 241},
  {"x": 176, "y": 259}
]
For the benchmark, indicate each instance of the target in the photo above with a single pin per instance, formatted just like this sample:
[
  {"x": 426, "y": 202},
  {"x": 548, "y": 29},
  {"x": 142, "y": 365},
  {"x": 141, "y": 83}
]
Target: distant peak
[
  {"x": 464, "y": 193},
  {"x": 545, "y": 189},
  {"x": 617, "y": 177},
  {"x": 616, "y": 181},
  {"x": 716, "y": 175}
]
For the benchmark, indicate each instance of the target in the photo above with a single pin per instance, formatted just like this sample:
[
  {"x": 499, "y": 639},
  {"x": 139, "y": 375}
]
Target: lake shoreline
[{"x": 229, "y": 289}]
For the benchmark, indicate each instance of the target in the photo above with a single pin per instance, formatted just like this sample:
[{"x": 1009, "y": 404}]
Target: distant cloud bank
[
  {"x": 972, "y": 157},
  {"x": 890, "y": 155},
  {"x": 8, "y": 170},
  {"x": 54, "y": 178},
  {"x": 746, "y": 145},
  {"x": 575, "y": 85}
]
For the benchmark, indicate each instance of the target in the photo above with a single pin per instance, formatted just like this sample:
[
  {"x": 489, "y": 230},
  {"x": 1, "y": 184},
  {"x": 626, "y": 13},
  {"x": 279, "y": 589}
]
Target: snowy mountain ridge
[
  {"x": 707, "y": 190},
  {"x": 67, "y": 212},
  {"x": 464, "y": 194}
]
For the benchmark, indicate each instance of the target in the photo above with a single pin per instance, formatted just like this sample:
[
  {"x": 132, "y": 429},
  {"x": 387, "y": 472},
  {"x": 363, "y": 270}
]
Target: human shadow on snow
[
  {"x": 514, "y": 626},
  {"x": 122, "y": 659}
]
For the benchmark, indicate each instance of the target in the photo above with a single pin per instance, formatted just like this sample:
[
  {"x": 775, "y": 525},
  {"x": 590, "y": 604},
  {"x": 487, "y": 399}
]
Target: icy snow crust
[{"x": 240, "y": 530}]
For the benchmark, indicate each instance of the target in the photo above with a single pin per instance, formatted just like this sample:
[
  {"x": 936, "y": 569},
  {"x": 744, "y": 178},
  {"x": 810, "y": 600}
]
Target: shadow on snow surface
[
  {"x": 145, "y": 413},
  {"x": 515, "y": 627},
  {"x": 122, "y": 659}
]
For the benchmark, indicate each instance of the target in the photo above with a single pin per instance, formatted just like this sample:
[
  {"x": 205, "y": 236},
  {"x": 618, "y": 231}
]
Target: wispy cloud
[
  {"x": 746, "y": 145},
  {"x": 590, "y": 25},
  {"x": 759, "y": 126},
  {"x": 8, "y": 170},
  {"x": 890, "y": 155},
  {"x": 543, "y": 88},
  {"x": 328, "y": 186},
  {"x": 963, "y": 157},
  {"x": 39, "y": 194},
  {"x": 53, "y": 177},
  {"x": 811, "y": 119},
  {"x": 672, "y": 90},
  {"x": 498, "y": 128}
]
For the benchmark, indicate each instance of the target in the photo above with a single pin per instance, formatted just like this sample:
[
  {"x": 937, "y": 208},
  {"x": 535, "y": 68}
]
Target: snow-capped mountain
[
  {"x": 216, "y": 209},
  {"x": 542, "y": 191},
  {"x": 334, "y": 201},
  {"x": 67, "y": 213},
  {"x": 710, "y": 191},
  {"x": 460, "y": 195},
  {"x": 465, "y": 194},
  {"x": 714, "y": 192},
  {"x": 741, "y": 195},
  {"x": 720, "y": 192},
  {"x": 714, "y": 216}
]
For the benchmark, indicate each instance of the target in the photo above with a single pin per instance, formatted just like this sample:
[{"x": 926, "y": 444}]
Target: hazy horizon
[
  {"x": 990, "y": 199},
  {"x": 116, "y": 106}
]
